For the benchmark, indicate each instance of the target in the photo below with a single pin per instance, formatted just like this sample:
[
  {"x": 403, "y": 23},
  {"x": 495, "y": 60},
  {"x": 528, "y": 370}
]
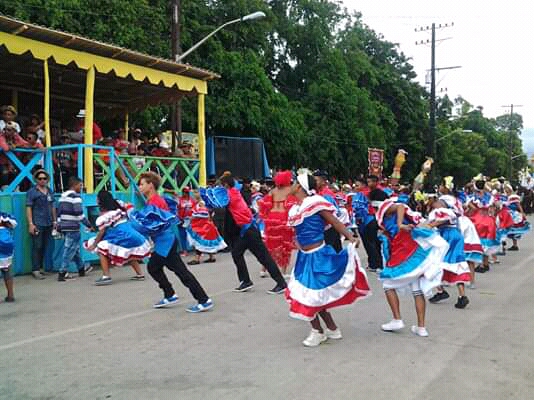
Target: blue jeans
[{"x": 71, "y": 251}]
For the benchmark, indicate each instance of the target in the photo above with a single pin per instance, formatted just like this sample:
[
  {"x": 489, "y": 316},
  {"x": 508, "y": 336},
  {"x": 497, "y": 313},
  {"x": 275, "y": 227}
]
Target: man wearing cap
[
  {"x": 8, "y": 115},
  {"x": 41, "y": 215},
  {"x": 187, "y": 149},
  {"x": 80, "y": 126},
  {"x": 65, "y": 163},
  {"x": 331, "y": 236}
]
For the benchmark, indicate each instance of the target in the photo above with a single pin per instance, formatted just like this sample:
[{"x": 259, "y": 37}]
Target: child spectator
[
  {"x": 70, "y": 214},
  {"x": 202, "y": 234}
]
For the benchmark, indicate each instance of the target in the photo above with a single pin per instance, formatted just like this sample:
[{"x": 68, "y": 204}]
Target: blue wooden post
[
  {"x": 112, "y": 169},
  {"x": 80, "y": 161}
]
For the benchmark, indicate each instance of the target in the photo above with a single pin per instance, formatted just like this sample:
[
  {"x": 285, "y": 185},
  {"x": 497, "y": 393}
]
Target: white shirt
[{"x": 3, "y": 125}]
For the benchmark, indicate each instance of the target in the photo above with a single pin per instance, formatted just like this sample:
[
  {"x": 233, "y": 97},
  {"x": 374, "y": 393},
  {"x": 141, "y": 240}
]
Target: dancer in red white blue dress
[
  {"x": 202, "y": 234},
  {"x": 480, "y": 210},
  {"x": 412, "y": 260},
  {"x": 117, "y": 242},
  {"x": 455, "y": 268},
  {"x": 322, "y": 278},
  {"x": 520, "y": 224},
  {"x": 472, "y": 246}
]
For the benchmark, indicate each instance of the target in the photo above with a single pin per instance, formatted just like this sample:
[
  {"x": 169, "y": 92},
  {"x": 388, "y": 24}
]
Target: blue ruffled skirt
[
  {"x": 323, "y": 279},
  {"x": 7, "y": 247}
]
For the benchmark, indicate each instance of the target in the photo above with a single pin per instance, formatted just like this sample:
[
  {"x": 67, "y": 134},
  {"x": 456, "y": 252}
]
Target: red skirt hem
[
  {"x": 360, "y": 290},
  {"x": 450, "y": 278}
]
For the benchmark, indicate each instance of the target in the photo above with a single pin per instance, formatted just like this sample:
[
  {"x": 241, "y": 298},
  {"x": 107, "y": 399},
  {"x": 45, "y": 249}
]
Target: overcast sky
[{"x": 492, "y": 41}]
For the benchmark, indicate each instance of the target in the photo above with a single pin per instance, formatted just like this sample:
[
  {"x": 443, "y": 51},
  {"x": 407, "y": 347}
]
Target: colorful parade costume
[
  {"x": 202, "y": 234},
  {"x": 410, "y": 257},
  {"x": 473, "y": 249},
  {"x": 455, "y": 267},
  {"x": 279, "y": 237},
  {"x": 472, "y": 246},
  {"x": 121, "y": 243},
  {"x": 322, "y": 278},
  {"x": 255, "y": 199},
  {"x": 184, "y": 209},
  {"x": 485, "y": 224},
  {"x": 157, "y": 224},
  {"x": 7, "y": 244},
  {"x": 520, "y": 225}
]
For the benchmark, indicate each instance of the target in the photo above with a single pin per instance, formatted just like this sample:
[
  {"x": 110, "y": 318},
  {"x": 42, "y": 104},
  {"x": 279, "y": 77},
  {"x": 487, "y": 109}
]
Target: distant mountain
[{"x": 527, "y": 136}]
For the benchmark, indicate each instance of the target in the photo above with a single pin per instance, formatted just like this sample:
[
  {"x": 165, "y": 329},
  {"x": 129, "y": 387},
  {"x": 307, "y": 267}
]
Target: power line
[
  {"x": 511, "y": 158},
  {"x": 431, "y": 139}
]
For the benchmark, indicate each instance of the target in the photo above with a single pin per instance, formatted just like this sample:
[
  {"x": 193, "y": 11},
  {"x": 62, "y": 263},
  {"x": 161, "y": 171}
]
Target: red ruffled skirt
[{"x": 279, "y": 238}]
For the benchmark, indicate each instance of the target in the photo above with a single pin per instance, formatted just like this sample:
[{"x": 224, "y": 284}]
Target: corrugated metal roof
[{"x": 75, "y": 42}]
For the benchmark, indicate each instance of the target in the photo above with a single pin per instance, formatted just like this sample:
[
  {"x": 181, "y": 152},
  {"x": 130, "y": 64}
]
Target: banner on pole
[{"x": 376, "y": 161}]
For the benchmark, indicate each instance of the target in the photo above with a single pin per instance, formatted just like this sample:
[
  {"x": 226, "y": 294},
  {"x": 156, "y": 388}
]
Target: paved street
[{"x": 77, "y": 341}]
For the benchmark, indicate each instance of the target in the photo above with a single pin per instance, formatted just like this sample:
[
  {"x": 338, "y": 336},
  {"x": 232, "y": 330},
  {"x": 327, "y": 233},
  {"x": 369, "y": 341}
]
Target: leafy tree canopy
[{"x": 312, "y": 80}]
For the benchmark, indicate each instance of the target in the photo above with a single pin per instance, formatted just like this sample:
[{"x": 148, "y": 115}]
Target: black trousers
[
  {"x": 372, "y": 245},
  {"x": 40, "y": 243},
  {"x": 332, "y": 237},
  {"x": 176, "y": 265},
  {"x": 252, "y": 241}
]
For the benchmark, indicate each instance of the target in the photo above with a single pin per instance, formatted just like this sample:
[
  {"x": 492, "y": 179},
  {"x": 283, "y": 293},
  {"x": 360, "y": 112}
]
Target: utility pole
[
  {"x": 176, "y": 112},
  {"x": 511, "y": 137},
  {"x": 431, "y": 137}
]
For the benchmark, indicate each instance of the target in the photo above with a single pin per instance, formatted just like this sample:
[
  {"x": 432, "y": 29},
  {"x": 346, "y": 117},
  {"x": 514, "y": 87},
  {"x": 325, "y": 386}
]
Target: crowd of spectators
[{"x": 31, "y": 135}]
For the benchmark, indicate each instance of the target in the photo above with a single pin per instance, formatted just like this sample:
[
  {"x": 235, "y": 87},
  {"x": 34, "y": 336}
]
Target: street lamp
[
  {"x": 452, "y": 133},
  {"x": 249, "y": 17}
]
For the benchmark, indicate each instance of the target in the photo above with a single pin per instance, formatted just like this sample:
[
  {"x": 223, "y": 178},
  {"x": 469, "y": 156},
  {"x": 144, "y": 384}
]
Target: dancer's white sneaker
[
  {"x": 393, "y": 325},
  {"x": 336, "y": 334},
  {"x": 315, "y": 338},
  {"x": 419, "y": 331}
]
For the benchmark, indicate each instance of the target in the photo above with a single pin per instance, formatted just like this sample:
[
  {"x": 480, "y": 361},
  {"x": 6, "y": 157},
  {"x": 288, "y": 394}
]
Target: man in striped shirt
[{"x": 70, "y": 214}]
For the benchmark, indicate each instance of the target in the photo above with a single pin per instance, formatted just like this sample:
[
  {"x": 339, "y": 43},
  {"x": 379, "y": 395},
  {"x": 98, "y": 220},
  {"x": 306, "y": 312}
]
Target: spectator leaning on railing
[{"x": 9, "y": 140}]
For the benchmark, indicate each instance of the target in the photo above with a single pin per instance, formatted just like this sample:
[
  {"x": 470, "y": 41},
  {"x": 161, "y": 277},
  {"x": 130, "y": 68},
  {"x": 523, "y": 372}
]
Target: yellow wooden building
[{"x": 100, "y": 77}]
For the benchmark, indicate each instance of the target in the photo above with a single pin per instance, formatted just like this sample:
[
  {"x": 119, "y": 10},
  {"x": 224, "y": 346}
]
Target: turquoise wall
[{"x": 15, "y": 204}]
